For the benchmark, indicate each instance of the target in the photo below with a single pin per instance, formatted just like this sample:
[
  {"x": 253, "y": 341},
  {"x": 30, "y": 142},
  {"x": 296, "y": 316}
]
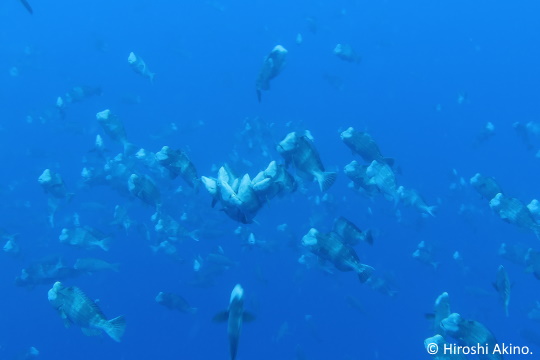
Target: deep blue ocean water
[{"x": 418, "y": 58}]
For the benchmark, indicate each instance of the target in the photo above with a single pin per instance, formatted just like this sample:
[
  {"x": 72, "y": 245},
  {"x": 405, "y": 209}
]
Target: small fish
[
  {"x": 298, "y": 149},
  {"x": 350, "y": 233},
  {"x": 235, "y": 317},
  {"x": 346, "y": 52},
  {"x": 76, "y": 308},
  {"x": 144, "y": 188},
  {"x": 272, "y": 66},
  {"x": 178, "y": 163},
  {"x": 486, "y": 186},
  {"x": 91, "y": 265},
  {"x": 502, "y": 285},
  {"x": 174, "y": 302},
  {"x": 330, "y": 247},
  {"x": 362, "y": 143},
  {"x": 139, "y": 66}
]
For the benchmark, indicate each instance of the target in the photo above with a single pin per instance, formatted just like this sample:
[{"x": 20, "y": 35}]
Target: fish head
[
  {"x": 54, "y": 292},
  {"x": 237, "y": 294}
]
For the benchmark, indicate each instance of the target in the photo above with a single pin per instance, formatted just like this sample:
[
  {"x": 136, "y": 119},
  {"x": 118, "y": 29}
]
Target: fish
[
  {"x": 471, "y": 333},
  {"x": 178, "y": 163},
  {"x": 350, "y": 233},
  {"x": 235, "y": 316},
  {"x": 486, "y": 186},
  {"x": 92, "y": 265},
  {"x": 144, "y": 188},
  {"x": 75, "y": 307},
  {"x": 424, "y": 254},
  {"x": 346, "y": 52},
  {"x": 272, "y": 66},
  {"x": 297, "y": 148},
  {"x": 114, "y": 128},
  {"x": 139, "y": 66},
  {"x": 45, "y": 271},
  {"x": 361, "y": 143},
  {"x": 330, "y": 247},
  {"x": 52, "y": 183},
  {"x": 381, "y": 175},
  {"x": 411, "y": 197},
  {"x": 515, "y": 212},
  {"x": 502, "y": 285},
  {"x": 174, "y": 302},
  {"x": 86, "y": 237},
  {"x": 27, "y": 6}
]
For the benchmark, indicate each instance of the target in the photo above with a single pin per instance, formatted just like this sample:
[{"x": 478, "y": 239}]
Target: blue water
[{"x": 417, "y": 57}]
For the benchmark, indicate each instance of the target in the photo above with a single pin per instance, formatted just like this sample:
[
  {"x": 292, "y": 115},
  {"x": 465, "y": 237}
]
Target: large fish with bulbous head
[{"x": 76, "y": 308}]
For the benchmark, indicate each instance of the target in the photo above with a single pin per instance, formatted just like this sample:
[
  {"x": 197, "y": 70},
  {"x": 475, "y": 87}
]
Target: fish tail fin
[
  {"x": 364, "y": 273},
  {"x": 105, "y": 244},
  {"x": 115, "y": 328},
  {"x": 326, "y": 180},
  {"x": 536, "y": 230},
  {"x": 430, "y": 210}
]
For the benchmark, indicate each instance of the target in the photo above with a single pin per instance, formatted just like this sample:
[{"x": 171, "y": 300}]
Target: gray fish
[
  {"x": 53, "y": 184},
  {"x": 272, "y": 66},
  {"x": 350, "y": 233},
  {"x": 330, "y": 247},
  {"x": 346, "y": 52},
  {"x": 515, "y": 212},
  {"x": 178, "y": 163},
  {"x": 145, "y": 189},
  {"x": 174, "y": 302},
  {"x": 362, "y": 143},
  {"x": 502, "y": 285},
  {"x": 235, "y": 317},
  {"x": 485, "y": 186},
  {"x": 76, "y": 308},
  {"x": 45, "y": 271},
  {"x": 298, "y": 149},
  {"x": 92, "y": 265},
  {"x": 471, "y": 333},
  {"x": 139, "y": 66},
  {"x": 114, "y": 128}
]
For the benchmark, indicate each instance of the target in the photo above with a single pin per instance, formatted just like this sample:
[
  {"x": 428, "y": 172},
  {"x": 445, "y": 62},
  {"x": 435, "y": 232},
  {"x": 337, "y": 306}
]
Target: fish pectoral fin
[
  {"x": 91, "y": 332},
  {"x": 220, "y": 317},
  {"x": 27, "y": 6},
  {"x": 248, "y": 317}
]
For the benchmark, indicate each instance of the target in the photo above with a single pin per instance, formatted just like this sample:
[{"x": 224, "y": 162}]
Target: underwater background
[{"x": 431, "y": 75}]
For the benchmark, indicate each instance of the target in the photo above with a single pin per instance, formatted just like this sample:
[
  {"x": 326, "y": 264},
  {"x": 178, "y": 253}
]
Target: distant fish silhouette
[{"x": 27, "y": 6}]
